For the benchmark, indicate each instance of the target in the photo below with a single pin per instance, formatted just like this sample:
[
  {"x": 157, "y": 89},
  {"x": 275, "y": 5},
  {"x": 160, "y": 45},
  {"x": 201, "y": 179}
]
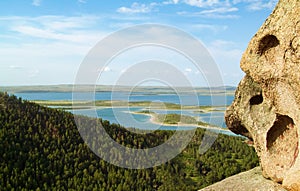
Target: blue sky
[{"x": 45, "y": 41}]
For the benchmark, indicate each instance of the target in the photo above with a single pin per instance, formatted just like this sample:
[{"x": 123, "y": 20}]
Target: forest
[{"x": 41, "y": 149}]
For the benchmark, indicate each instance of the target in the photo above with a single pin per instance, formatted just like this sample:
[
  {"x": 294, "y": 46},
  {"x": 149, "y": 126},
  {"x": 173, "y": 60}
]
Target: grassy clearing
[
  {"x": 173, "y": 119},
  {"x": 145, "y": 112}
]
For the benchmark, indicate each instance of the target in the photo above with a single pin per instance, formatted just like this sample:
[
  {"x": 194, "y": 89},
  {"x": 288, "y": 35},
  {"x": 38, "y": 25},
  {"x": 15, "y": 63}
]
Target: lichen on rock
[{"x": 267, "y": 101}]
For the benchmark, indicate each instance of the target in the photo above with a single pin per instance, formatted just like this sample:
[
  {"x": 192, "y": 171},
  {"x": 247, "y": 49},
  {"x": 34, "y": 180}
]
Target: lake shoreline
[
  {"x": 105, "y": 104},
  {"x": 69, "y": 105},
  {"x": 153, "y": 120}
]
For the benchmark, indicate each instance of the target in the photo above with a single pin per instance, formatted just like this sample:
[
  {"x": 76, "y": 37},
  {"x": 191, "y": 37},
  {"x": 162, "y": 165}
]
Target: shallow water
[{"x": 125, "y": 117}]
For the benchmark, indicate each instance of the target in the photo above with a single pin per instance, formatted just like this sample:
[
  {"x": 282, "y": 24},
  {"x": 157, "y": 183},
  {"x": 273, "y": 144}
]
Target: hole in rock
[
  {"x": 267, "y": 43},
  {"x": 282, "y": 141},
  {"x": 256, "y": 100}
]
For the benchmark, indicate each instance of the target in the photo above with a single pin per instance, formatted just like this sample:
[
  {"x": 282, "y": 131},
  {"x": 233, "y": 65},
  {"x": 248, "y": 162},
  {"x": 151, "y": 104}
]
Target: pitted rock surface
[{"x": 266, "y": 108}]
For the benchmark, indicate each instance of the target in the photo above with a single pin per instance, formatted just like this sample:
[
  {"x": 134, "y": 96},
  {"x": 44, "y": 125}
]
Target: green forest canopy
[{"x": 41, "y": 149}]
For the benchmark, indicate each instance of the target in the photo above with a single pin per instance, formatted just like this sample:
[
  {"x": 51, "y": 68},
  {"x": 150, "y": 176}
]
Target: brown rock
[
  {"x": 251, "y": 180},
  {"x": 267, "y": 101}
]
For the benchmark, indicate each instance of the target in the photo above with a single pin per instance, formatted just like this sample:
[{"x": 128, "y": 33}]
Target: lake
[
  {"x": 125, "y": 117},
  {"x": 134, "y": 96}
]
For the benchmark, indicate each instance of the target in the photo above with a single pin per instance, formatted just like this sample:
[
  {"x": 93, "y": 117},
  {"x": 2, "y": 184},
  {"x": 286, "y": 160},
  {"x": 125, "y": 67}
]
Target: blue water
[
  {"x": 130, "y": 120},
  {"x": 184, "y": 99},
  {"x": 125, "y": 117}
]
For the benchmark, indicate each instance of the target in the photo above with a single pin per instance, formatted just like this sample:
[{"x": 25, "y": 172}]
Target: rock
[
  {"x": 251, "y": 180},
  {"x": 267, "y": 101}
]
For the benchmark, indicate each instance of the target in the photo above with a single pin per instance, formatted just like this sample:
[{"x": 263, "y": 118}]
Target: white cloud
[
  {"x": 197, "y": 3},
  {"x": 210, "y": 9},
  {"x": 220, "y": 10},
  {"x": 36, "y": 3},
  {"x": 188, "y": 70},
  {"x": 202, "y": 3},
  {"x": 80, "y": 29},
  {"x": 256, "y": 5},
  {"x": 56, "y": 22},
  {"x": 15, "y": 67},
  {"x": 207, "y": 14},
  {"x": 251, "y": 4},
  {"x": 259, "y": 5},
  {"x": 170, "y": 2},
  {"x": 137, "y": 8},
  {"x": 73, "y": 36},
  {"x": 106, "y": 69},
  {"x": 33, "y": 48}
]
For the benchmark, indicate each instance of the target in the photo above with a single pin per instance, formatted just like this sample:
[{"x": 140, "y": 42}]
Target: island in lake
[{"x": 166, "y": 117}]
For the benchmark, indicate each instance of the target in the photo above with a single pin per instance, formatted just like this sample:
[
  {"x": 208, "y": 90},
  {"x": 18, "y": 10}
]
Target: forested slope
[{"x": 41, "y": 149}]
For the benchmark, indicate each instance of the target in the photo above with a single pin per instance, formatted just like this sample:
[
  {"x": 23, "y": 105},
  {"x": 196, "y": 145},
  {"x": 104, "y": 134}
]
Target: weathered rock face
[
  {"x": 267, "y": 102},
  {"x": 251, "y": 180}
]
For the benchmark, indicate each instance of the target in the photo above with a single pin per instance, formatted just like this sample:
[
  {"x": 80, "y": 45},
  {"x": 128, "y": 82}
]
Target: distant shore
[
  {"x": 153, "y": 90},
  {"x": 66, "y": 104}
]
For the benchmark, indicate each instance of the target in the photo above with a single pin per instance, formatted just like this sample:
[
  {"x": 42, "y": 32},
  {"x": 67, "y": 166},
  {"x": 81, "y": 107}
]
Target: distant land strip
[
  {"x": 67, "y": 104},
  {"x": 228, "y": 90}
]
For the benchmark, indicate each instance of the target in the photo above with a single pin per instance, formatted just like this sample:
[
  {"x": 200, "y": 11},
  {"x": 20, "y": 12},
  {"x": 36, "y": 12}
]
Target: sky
[{"x": 44, "y": 42}]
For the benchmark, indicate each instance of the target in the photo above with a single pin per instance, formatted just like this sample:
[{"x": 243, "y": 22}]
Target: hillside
[{"x": 41, "y": 149}]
